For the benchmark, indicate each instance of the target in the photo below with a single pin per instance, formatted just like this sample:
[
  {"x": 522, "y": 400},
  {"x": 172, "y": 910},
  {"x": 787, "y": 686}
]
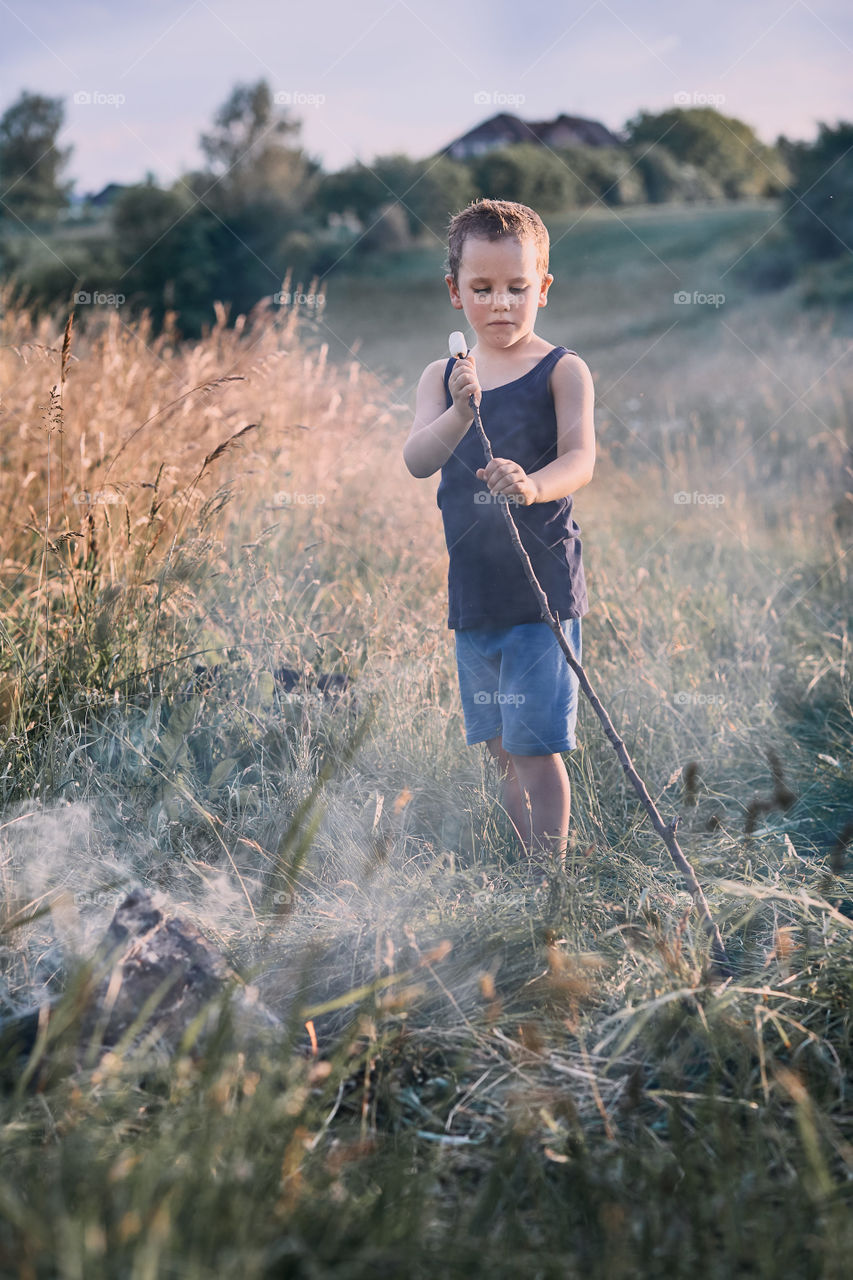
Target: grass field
[{"x": 503, "y": 1079}]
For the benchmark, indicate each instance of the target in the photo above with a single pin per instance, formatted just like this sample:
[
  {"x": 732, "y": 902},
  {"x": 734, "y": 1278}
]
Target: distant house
[
  {"x": 504, "y": 129},
  {"x": 107, "y": 196}
]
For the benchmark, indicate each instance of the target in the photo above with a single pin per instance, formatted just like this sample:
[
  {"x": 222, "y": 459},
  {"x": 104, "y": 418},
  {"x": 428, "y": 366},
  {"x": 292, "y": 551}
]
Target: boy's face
[{"x": 499, "y": 289}]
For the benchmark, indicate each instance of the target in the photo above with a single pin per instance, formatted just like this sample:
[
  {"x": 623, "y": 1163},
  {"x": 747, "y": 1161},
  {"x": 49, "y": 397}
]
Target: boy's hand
[
  {"x": 462, "y": 383},
  {"x": 502, "y": 475}
]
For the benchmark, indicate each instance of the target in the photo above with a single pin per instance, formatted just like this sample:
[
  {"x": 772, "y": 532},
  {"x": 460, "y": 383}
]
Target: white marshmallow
[{"x": 457, "y": 344}]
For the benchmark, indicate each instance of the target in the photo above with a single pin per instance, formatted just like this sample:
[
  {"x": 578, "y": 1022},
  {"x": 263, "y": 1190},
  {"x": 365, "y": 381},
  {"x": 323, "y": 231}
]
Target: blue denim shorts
[{"x": 515, "y": 683}]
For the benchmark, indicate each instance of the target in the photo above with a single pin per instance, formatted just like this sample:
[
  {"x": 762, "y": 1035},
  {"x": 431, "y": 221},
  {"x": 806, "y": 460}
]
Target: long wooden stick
[{"x": 665, "y": 830}]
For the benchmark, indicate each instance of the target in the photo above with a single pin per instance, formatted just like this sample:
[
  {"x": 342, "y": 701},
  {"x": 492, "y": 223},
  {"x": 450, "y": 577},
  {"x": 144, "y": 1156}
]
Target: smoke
[
  {"x": 58, "y": 889},
  {"x": 64, "y": 873},
  {"x": 354, "y": 916}
]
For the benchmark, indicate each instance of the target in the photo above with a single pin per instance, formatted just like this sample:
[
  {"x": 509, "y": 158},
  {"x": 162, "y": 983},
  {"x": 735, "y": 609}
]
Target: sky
[{"x": 370, "y": 77}]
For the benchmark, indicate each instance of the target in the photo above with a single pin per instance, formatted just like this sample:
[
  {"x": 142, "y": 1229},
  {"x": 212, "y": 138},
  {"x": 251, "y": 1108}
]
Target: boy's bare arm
[
  {"x": 574, "y": 399},
  {"x": 437, "y": 430}
]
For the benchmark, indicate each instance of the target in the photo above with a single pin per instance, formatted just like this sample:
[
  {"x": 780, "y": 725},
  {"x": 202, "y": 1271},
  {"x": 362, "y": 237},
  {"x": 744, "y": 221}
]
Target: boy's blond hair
[{"x": 494, "y": 219}]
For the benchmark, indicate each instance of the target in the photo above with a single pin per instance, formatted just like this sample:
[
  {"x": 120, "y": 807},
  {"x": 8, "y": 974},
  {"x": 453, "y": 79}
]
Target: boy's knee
[{"x": 533, "y": 765}]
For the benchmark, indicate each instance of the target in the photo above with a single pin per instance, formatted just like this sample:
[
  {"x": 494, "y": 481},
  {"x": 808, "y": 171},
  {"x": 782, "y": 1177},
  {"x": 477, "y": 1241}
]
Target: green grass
[{"x": 509, "y": 1079}]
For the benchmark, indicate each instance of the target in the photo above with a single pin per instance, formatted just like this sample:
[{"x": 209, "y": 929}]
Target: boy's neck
[{"x": 527, "y": 351}]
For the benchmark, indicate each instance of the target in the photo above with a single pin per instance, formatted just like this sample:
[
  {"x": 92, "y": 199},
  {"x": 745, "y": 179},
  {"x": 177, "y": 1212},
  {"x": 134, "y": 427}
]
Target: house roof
[
  {"x": 504, "y": 129},
  {"x": 107, "y": 194}
]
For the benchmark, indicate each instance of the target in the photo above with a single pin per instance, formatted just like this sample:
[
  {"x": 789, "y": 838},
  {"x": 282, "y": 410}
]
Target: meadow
[{"x": 477, "y": 1073}]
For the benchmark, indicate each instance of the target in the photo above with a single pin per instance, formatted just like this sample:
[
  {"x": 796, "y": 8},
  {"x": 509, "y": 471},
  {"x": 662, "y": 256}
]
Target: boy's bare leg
[
  {"x": 543, "y": 782},
  {"x": 546, "y": 781},
  {"x": 515, "y": 801}
]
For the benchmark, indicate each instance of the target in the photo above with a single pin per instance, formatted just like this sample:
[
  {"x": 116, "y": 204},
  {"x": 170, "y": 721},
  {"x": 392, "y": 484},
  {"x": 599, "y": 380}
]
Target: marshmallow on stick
[{"x": 457, "y": 344}]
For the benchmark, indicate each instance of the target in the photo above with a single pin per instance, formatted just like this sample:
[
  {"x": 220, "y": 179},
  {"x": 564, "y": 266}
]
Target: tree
[
  {"x": 31, "y": 162},
  {"x": 258, "y": 191},
  {"x": 666, "y": 179},
  {"x": 527, "y": 173},
  {"x": 165, "y": 245},
  {"x": 429, "y": 191},
  {"x": 818, "y": 211},
  {"x": 660, "y": 171},
  {"x": 354, "y": 190},
  {"x": 607, "y": 174},
  {"x": 250, "y": 156},
  {"x": 388, "y": 231},
  {"x": 724, "y": 147}
]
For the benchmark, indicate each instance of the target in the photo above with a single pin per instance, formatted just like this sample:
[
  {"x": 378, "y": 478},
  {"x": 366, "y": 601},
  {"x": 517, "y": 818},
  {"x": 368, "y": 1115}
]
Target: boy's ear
[
  {"x": 547, "y": 281},
  {"x": 455, "y": 298}
]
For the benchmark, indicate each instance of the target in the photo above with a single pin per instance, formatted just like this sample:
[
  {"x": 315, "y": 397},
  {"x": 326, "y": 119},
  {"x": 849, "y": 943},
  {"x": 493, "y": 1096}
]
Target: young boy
[{"x": 519, "y": 694}]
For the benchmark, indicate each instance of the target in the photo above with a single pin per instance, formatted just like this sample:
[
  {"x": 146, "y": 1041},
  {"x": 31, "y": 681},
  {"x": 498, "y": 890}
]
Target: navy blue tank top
[{"x": 486, "y": 583}]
